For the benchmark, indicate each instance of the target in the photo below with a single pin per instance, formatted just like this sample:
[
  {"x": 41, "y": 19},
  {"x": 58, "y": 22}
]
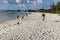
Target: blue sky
[{"x": 25, "y": 4}]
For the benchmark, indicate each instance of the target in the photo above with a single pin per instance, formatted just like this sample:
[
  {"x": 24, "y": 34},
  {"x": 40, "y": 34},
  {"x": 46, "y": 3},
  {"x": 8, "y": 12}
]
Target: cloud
[
  {"x": 34, "y": 2},
  {"x": 24, "y": 3},
  {"x": 55, "y": 0},
  {"x": 18, "y": 1},
  {"x": 1, "y": 1},
  {"x": 39, "y": 1},
  {"x": 21, "y": 5},
  {"x": 5, "y": 2},
  {"x": 28, "y": 1}
]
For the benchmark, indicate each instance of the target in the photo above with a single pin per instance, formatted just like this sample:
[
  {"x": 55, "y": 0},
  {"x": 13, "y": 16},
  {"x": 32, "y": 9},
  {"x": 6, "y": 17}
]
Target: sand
[{"x": 32, "y": 28}]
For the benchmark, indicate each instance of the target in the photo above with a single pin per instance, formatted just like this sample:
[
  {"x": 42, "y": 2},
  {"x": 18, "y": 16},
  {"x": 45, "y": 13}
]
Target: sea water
[{"x": 6, "y": 16}]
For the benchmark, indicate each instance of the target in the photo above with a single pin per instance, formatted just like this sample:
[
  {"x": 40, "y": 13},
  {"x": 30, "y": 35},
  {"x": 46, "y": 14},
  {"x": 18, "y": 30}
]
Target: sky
[{"x": 25, "y": 4}]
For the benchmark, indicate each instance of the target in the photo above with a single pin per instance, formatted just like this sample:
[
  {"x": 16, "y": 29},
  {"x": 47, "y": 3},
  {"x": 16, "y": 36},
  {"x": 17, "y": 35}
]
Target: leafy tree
[
  {"x": 58, "y": 5},
  {"x": 53, "y": 8}
]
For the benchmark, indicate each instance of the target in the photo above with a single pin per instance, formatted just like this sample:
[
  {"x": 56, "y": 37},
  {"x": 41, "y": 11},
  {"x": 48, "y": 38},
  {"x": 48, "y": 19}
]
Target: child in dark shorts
[{"x": 43, "y": 15}]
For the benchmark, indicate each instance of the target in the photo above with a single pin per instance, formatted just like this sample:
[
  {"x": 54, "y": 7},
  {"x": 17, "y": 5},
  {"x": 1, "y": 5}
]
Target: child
[{"x": 43, "y": 15}]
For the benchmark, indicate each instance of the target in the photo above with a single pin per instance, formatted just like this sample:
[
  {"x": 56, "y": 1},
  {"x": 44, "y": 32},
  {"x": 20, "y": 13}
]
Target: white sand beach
[{"x": 32, "y": 28}]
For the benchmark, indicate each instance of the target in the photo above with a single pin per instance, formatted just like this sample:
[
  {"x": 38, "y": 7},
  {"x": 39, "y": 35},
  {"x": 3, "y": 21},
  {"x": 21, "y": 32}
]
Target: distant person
[
  {"x": 43, "y": 15},
  {"x": 17, "y": 16},
  {"x": 22, "y": 17},
  {"x": 17, "y": 22},
  {"x": 26, "y": 14},
  {"x": 18, "y": 19}
]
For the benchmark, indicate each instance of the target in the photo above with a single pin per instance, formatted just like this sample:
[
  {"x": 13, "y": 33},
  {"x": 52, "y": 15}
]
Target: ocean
[{"x": 6, "y": 16}]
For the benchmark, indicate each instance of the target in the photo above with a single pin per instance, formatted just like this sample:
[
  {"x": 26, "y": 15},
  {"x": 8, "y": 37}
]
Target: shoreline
[
  {"x": 33, "y": 16},
  {"x": 13, "y": 20},
  {"x": 8, "y": 20}
]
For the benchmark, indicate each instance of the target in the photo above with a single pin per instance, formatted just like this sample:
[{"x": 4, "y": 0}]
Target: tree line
[{"x": 55, "y": 8}]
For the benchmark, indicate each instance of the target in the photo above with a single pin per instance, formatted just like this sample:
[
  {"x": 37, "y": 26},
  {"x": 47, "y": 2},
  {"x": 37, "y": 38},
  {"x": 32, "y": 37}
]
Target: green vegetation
[{"x": 55, "y": 8}]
